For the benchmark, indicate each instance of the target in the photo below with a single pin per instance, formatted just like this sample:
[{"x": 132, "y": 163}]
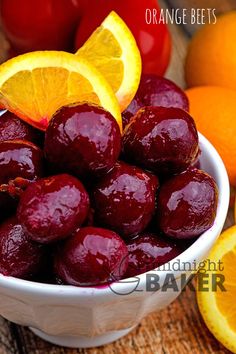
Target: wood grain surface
[{"x": 178, "y": 329}]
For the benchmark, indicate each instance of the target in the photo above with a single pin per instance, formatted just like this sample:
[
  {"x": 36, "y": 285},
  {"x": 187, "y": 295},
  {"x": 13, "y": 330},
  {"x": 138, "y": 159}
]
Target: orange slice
[
  {"x": 112, "y": 49},
  {"x": 218, "y": 308},
  {"x": 36, "y": 84}
]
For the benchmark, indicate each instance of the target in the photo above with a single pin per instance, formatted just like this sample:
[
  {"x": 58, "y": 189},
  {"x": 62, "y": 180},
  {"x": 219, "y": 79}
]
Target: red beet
[
  {"x": 124, "y": 199},
  {"x": 83, "y": 140},
  {"x": 156, "y": 91},
  {"x": 19, "y": 256},
  {"x": 20, "y": 158},
  {"x": 148, "y": 251},
  {"x": 163, "y": 140},
  {"x": 52, "y": 208},
  {"x": 93, "y": 256},
  {"x": 14, "y": 128},
  {"x": 186, "y": 204}
]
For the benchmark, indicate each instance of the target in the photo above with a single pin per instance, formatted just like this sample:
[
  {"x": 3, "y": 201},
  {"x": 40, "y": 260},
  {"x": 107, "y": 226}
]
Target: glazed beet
[
  {"x": 92, "y": 256},
  {"x": 13, "y": 128},
  {"x": 52, "y": 208},
  {"x": 84, "y": 140},
  {"x": 124, "y": 199},
  {"x": 19, "y": 256},
  {"x": 156, "y": 91},
  {"x": 20, "y": 158},
  {"x": 148, "y": 251},
  {"x": 163, "y": 140},
  {"x": 187, "y": 204}
]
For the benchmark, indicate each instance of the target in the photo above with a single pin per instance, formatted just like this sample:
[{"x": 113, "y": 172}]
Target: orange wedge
[
  {"x": 112, "y": 49},
  {"x": 218, "y": 308},
  {"x": 36, "y": 84}
]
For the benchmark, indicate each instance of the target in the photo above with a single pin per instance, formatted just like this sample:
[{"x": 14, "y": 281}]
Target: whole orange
[
  {"x": 214, "y": 111},
  {"x": 211, "y": 56}
]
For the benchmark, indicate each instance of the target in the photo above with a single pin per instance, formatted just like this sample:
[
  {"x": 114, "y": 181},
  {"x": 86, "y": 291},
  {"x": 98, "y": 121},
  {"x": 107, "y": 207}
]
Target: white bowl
[{"x": 87, "y": 317}]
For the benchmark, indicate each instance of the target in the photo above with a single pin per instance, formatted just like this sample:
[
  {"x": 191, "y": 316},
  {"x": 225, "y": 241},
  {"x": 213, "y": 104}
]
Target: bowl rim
[{"x": 191, "y": 254}]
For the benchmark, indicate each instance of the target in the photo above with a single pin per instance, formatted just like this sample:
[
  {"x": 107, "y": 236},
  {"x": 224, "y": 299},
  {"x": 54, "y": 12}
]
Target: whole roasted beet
[
  {"x": 19, "y": 256},
  {"x": 84, "y": 140},
  {"x": 20, "y": 158},
  {"x": 148, "y": 251},
  {"x": 14, "y": 128},
  {"x": 124, "y": 199},
  {"x": 156, "y": 91},
  {"x": 53, "y": 208},
  {"x": 186, "y": 204},
  {"x": 163, "y": 140},
  {"x": 93, "y": 256}
]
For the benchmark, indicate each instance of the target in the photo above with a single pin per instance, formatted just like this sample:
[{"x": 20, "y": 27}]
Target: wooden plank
[
  {"x": 175, "y": 71},
  {"x": 7, "y": 340}
]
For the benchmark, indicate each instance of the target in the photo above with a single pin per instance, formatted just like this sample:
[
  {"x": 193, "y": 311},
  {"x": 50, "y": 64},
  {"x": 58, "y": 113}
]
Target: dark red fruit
[
  {"x": 148, "y": 251},
  {"x": 52, "y": 208},
  {"x": 91, "y": 257},
  {"x": 83, "y": 139},
  {"x": 19, "y": 256},
  {"x": 125, "y": 199},
  {"x": 20, "y": 158},
  {"x": 187, "y": 204},
  {"x": 156, "y": 91},
  {"x": 163, "y": 140},
  {"x": 13, "y": 128}
]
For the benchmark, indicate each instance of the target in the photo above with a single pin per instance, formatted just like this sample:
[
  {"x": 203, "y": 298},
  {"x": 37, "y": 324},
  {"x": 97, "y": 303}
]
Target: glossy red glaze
[
  {"x": 20, "y": 158},
  {"x": 148, "y": 251},
  {"x": 84, "y": 140},
  {"x": 152, "y": 39},
  {"x": 19, "y": 256},
  {"x": 39, "y": 25},
  {"x": 13, "y": 128},
  {"x": 186, "y": 204},
  {"x": 91, "y": 257},
  {"x": 156, "y": 91},
  {"x": 124, "y": 199},
  {"x": 164, "y": 140},
  {"x": 52, "y": 208}
]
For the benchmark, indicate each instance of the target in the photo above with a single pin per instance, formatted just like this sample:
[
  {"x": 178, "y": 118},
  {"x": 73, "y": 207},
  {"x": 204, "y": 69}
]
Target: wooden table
[{"x": 177, "y": 329}]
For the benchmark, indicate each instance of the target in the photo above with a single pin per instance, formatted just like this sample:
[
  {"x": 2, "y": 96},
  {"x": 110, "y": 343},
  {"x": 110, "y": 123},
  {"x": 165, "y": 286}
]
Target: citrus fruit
[
  {"x": 218, "y": 308},
  {"x": 36, "y": 84},
  {"x": 113, "y": 51},
  {"x": 214, "y": 111},
  {"x": 211, "y": 56}
]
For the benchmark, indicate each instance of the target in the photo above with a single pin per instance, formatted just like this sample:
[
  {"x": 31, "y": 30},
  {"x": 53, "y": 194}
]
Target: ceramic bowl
[{"x": 87, "y": 317}]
